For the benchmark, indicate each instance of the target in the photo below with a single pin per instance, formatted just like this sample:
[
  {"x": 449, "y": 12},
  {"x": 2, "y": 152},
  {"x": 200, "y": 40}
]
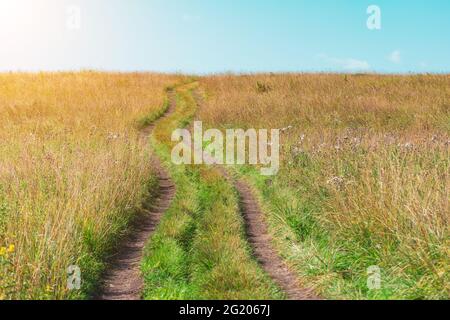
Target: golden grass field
[
  {"x": 365, "y": 175},
  {"x": 73, "y": 170},
  {"x": 364, "y": 179}
]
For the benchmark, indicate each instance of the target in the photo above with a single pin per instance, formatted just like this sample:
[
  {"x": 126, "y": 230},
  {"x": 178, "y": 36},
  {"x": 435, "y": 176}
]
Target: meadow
[
  {"x": 73, "y": 171},
  {"x": 362, "y": 191},
  {"x": 364, "y": 180},
  {"x": 199, "y": 251}
]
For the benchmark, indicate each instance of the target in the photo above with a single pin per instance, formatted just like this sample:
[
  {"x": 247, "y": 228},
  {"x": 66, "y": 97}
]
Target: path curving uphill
[
  {"x": 123, "y": 280},
  {"x": 260, "y": 240}
]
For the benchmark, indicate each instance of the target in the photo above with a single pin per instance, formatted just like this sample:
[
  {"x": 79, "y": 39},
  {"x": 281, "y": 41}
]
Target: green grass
[
  {"x": 151, "y": 118},
  {"x": 199, "y": 250},
  {"x": 336, "y": 264},
  {"x": 363, "y": 181},
  {"x": 96, "y": 250}
]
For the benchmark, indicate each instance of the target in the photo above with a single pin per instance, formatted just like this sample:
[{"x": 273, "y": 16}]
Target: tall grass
[
  {"x": 199, "y": 250},
  {"x": 364, "y": 178},
  {"x": 73, "y": 171}
]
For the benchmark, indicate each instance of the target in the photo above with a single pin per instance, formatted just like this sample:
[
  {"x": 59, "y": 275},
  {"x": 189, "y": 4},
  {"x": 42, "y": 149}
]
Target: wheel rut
[
  {"x": 123, "y": 279},
  {"x": 260, "y": 240}
]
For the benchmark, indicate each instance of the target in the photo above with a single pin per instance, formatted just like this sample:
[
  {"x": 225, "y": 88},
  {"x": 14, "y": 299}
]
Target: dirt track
[
  {"x": 261, "y": 242},
  {"x": 123, "y": 279}
]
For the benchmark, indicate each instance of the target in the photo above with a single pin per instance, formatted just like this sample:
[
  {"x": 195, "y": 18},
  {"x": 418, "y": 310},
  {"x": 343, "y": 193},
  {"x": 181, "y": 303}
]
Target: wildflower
[
  {"x": 338, "y": 182},
  {"x": 11, "y": 248},
  {"x": 319, "y": 148},
  {"x": 296, "y": 151},
  {"x": 113, "y": 136},
  {"x": 408, "y": 146},
  {"x": 287, "y": 128},
  {"x": 2, "y": 251}
]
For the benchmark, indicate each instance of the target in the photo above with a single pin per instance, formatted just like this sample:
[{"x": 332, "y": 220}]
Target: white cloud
[
  {"x": 348, "y": 64},
  {"x": 395, "y": 57}
]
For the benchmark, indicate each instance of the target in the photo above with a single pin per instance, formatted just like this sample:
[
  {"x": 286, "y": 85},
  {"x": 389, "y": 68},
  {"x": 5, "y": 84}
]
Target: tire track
[
  {"x": 123, "y": 280},
  {"x": 261, "y": 241}
]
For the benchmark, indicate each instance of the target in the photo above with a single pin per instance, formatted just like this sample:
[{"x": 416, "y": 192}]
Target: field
[
  {"x": 73, "y": 170},
  {"x": 364, "y": 179},
  {"x": 363, "y": 186},
  {"x": 199, "y": 251}
]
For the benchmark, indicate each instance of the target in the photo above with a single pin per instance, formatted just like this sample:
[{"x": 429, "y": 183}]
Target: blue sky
[{"x": 205, "y": 36}]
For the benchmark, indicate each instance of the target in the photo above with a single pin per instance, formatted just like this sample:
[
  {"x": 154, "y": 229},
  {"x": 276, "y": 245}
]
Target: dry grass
[
  {"x": 73, "y": 170},
  {"x": 364, "y": 178},
  {"x": 199, "y": 251}
]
